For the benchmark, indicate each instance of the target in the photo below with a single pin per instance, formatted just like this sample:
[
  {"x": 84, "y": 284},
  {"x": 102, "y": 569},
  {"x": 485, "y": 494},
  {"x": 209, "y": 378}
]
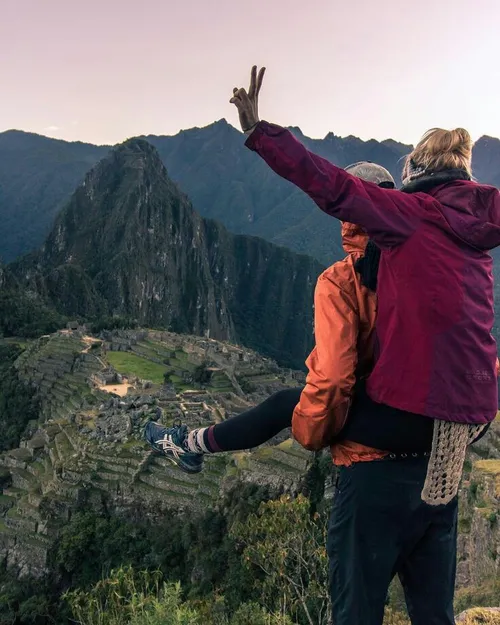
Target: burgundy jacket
[{"x": 435, "y": 353}]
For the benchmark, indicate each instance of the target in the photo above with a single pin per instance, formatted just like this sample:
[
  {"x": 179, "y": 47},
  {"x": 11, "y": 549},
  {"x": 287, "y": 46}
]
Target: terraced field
[{"x": 87, "y": 445}]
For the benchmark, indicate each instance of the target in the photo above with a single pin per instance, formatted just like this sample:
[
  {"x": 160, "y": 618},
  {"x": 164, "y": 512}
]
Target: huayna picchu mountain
[{"x": 129, "y": 243}]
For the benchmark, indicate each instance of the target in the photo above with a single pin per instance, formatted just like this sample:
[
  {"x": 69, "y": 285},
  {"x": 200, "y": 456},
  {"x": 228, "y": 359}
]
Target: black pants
[
  {"x": 259, "y": 424},
  {"x": 380, "y": 528}
]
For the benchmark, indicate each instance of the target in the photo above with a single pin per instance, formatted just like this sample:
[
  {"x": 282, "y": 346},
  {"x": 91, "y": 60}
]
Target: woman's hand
[{"x": 248, "y": 103}]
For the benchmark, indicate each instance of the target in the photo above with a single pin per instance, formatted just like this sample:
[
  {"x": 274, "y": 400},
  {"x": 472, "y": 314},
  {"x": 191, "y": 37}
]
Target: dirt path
[{"x": 89, "y": 341}]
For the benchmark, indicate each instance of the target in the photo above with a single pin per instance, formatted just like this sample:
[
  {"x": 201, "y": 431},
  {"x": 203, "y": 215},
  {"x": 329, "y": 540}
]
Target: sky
[{"x": 104, "y": 70}]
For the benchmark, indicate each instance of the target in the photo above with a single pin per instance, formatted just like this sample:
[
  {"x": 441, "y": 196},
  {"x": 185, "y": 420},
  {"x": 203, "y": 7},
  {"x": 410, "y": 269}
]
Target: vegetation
[
  {"x": 17, "y": 402},
  {"x": 491, "y": 468},
  {"x": 285, "y": 548},
  {"x": 144, "y": 599},
  {"x": 25, "y": 315},
  {"x": 127, "y": 597},
  {"x": 133, "y": 365},
  {"x": 257, "y": 560}
]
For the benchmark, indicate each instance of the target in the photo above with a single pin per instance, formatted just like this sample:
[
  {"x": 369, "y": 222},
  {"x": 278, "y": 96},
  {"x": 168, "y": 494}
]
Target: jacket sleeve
[
  {"x": 388, "y": 216},
  {"x": 325, "y": 400}
]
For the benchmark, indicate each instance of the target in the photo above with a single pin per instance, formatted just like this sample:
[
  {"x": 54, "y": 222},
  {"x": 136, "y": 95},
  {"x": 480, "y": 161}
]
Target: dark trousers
[{"x": 380, "y": 528}]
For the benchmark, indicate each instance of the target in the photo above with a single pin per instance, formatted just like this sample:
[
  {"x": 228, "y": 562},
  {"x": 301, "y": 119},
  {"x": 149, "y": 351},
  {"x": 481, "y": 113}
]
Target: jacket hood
[
  {"x": 472, "y": 211},
  {"x": 354, "y": 238}
]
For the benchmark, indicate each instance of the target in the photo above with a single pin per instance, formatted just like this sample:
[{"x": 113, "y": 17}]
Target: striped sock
[{"x": 202, "y": 441}]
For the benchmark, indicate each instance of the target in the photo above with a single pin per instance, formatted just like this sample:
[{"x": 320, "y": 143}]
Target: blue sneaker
[{"x": 169, "y": 442}]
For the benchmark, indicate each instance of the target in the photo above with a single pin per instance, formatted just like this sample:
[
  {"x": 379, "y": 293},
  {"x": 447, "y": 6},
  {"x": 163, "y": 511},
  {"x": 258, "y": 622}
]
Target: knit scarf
[{"x": 417, "y": 179}]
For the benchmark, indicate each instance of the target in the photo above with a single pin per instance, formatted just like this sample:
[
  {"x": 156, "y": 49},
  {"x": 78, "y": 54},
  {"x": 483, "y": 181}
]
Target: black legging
[{"x": 259, "y": 424}]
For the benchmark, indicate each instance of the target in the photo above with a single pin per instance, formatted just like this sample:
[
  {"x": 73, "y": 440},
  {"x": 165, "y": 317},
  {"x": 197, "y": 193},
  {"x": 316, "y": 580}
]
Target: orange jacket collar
[{"x": 354, "y": 238}]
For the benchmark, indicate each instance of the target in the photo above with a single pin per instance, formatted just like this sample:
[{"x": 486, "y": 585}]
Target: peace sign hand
[{"x": 248, "y": 103}]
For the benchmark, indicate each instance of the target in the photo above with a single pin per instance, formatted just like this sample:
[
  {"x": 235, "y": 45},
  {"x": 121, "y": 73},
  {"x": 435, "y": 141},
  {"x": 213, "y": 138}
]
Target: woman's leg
[
  {"x": 244, "y": 431},
  {"x": 250, "y": 428}
]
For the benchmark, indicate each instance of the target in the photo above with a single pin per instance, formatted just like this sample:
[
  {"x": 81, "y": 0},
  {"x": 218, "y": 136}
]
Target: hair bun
[
  {"x": 440, "y": 141},
  {"x": 444, "y": 149},
  {"x": 460, "y": 141}
]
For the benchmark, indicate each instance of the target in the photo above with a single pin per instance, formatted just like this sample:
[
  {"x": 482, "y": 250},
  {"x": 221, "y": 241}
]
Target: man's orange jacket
[{"x": 344, "y": 327}]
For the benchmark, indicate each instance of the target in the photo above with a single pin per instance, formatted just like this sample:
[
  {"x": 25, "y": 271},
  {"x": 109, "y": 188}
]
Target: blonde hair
[{"x": 443, "y": 149}]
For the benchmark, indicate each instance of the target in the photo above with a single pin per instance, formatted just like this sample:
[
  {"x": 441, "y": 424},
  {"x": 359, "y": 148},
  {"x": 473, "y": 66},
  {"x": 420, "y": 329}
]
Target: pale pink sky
[{"x": 105, "y": 70}]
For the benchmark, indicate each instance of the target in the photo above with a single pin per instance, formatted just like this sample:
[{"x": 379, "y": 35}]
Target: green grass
[{"x": 131, "y": 364}]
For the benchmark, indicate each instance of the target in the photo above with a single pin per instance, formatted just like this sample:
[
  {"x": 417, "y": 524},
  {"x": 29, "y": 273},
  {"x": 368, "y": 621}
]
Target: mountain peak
[
  {"x": 132, "y": 151},
  {"x": 127, "y": 159},
  {"x": 134, "y": 144},
  {"x": 122, "y": 198}
]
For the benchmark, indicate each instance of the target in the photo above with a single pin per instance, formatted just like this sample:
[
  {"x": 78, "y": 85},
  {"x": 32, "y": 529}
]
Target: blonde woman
[{"x": 435, "y": 357}]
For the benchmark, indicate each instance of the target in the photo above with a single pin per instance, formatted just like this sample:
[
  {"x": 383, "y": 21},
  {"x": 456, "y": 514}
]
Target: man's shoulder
[{"x": 341, "y": 273}]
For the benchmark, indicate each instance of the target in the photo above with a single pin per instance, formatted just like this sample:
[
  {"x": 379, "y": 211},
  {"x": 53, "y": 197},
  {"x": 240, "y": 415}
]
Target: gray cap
[{"x": 371, "y": 172}]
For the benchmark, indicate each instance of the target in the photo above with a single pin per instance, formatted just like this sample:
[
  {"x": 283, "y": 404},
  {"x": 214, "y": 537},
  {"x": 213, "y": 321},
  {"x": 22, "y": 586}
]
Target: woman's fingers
[
  {"x": 260, "y": 79},
  {"x": 235, "y": 99},
  {"x": 253, "y": 82},
  {"x": 240, "y": 95},
  {"x": 240, "y": 99},
  {"x": 254, "y": 89}
]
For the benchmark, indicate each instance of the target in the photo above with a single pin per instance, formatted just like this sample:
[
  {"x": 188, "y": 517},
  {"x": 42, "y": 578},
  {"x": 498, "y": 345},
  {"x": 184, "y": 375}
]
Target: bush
[
  {"x": 286, "y": 550},
  {"x": 127, "y": 597},
  {"x": 201, "y": 375},
  {"x": 144, "y": 599},
  {"x": 395, "y": 618}
]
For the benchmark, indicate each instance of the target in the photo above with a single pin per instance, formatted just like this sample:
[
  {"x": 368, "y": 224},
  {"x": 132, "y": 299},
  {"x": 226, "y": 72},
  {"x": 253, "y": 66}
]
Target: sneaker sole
[
  {"x": 178, "y": 463},
  {"x": 182, "y": 466}
]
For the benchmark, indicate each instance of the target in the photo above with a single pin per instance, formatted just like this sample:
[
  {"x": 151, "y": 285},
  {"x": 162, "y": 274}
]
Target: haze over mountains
[{"x": 223, "y": 179}]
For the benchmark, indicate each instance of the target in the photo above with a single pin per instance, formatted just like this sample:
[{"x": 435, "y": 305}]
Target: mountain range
[
  {"x": 223, "y": 179},
  {"x": 128, "y": 243}
]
